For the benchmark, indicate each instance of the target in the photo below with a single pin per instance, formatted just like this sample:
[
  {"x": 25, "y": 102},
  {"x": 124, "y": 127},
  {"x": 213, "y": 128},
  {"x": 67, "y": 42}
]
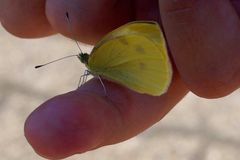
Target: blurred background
[{"x": 196, "y": 129}]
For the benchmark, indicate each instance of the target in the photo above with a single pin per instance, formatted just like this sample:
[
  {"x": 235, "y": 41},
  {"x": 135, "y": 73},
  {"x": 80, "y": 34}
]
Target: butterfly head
[{"x": 83, "y": 57}]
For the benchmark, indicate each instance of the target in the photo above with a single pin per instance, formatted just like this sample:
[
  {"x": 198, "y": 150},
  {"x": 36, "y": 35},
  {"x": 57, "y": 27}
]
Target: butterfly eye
[{"x": 83, "y": 57}]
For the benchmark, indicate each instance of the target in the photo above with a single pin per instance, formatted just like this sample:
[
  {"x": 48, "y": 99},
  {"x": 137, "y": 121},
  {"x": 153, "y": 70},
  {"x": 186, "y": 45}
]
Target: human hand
[{"x": 201, "y": 37}]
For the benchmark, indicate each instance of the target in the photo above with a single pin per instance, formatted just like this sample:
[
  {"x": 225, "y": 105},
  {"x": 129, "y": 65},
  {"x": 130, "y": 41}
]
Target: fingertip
[
  {"x": 204, "y": 42},
  {"x": 25, "y": 19},
  {"x": 68, "y": 124}
]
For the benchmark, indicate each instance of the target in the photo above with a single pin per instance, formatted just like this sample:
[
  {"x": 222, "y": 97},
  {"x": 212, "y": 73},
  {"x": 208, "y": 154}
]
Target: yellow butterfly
[{"x": 133, "y": 55}]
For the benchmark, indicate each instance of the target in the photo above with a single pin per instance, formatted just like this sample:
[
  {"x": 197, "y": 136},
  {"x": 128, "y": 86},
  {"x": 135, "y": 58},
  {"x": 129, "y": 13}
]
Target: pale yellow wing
[
  {"x": 136, "y": 59},
  {"x": 148, "y": 29}
]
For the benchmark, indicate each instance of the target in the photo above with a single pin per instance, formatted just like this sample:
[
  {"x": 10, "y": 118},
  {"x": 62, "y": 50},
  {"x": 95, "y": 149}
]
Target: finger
[
  {"x": 146, "y": 10},
  {"x": 236, "y": 5},
  {"x": 90, "y": 19},
  {"x": 204, "y": 38},
  {"x": 25, "y": 18},
  {"x": 83, "y": 120}
]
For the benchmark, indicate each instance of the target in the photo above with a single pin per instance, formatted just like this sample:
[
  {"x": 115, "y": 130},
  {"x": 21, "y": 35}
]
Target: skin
[{"x": 204, "y": 42}]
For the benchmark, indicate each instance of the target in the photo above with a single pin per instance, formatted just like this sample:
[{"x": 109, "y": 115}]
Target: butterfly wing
[
  {"x": 145, "y": 28},
  {"x": 135, "y": 56}
]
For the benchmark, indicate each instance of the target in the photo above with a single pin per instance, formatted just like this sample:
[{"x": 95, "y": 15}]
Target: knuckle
[{"x": 180, "y": 11}]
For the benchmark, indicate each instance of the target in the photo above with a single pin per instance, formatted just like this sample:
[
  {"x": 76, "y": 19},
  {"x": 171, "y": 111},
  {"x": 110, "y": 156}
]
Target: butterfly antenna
[
  {"x": 38, "y": 66},
  {"x": 71, "y": 31}
]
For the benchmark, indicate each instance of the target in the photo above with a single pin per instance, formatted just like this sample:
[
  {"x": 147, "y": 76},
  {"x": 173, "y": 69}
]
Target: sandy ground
[{"x": 196, "y": 129}]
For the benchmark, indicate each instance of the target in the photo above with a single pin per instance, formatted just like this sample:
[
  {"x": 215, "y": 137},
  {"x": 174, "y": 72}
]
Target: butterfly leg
[
  {"x": 86, "y": 73},
  {"x": 83, "y": 78},
  {"x": 104, "y": 88}
]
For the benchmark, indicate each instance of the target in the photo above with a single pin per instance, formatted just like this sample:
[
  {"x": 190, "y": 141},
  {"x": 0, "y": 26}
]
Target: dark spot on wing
[
  {"x": 142, "y": 65},
  {"x": 140, "y": 49},
  {"x": 123, "y": 41}
]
